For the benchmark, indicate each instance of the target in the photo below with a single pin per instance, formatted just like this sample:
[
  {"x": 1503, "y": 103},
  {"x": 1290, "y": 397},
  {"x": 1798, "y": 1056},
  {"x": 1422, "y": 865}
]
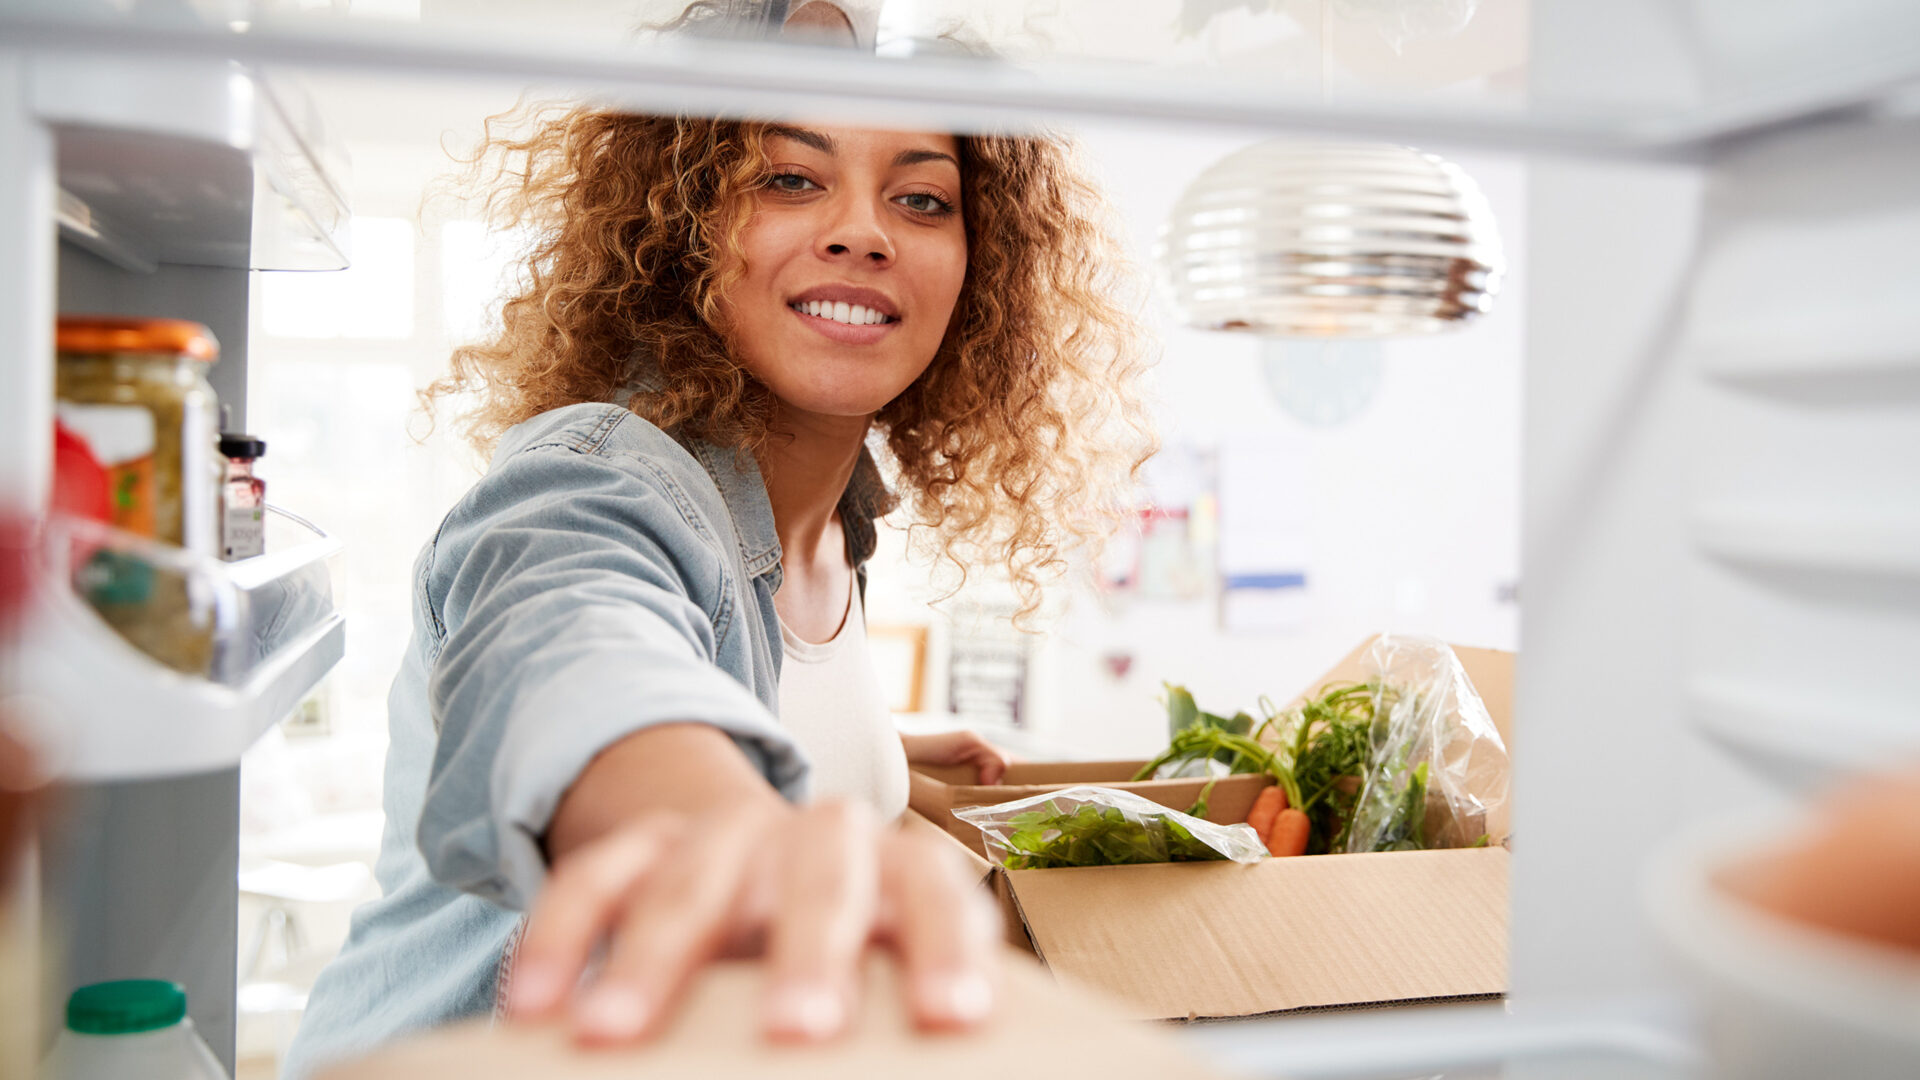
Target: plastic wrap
[
  {"x": 1438, "y": 771},
  {"x": 1096, "y": 826}
]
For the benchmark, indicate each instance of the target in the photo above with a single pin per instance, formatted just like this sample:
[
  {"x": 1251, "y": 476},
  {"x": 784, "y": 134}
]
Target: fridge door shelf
[
  {"x": 143, "y": 660},
  {"x": 1876, "y": 543},
  {"x": 1802, "y": 745},
  {"x": 190, "y": 160}
]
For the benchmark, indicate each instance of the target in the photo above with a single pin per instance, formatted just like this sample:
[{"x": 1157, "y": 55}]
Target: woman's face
[{"x": 855, "y": 255}]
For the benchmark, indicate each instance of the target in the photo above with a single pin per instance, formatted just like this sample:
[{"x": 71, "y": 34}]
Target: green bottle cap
[{"x": 126, "y": 1006}]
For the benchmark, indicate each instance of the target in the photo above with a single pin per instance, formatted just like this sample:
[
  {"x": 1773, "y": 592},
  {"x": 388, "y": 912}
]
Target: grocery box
[
  {"x": 1181, "y": 941},
  {"x": 937, "y": 791}
]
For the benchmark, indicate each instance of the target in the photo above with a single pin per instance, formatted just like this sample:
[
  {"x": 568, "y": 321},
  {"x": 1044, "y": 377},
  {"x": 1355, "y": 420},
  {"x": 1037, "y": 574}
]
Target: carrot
[
  {"x": 1289, "y": 836},
  {"x": 1265, "y": 808}
]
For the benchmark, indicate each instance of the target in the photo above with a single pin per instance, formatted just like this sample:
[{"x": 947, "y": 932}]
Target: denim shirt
[{"x": 601, "y": 578}]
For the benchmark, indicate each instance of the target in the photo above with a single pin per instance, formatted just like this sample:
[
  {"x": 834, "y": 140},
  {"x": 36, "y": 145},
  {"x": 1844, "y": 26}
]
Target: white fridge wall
[
  {"x": 1638, "y": 629},
  {"x": 1596, "y": 705}
]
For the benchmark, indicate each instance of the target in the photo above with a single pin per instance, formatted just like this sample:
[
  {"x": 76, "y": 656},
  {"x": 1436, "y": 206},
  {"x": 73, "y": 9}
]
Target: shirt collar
[{"x": 744, "y": 490}]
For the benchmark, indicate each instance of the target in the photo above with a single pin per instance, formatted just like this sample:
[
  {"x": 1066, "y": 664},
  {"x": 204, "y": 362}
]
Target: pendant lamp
[{"x": 1304, "y": 239}]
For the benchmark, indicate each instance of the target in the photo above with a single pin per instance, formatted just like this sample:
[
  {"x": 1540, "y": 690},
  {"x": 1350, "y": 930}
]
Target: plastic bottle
[{"x": 127, "y": 1029}]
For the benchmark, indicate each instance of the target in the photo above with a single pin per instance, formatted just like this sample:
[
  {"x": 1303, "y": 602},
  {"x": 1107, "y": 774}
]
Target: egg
[{"x": 1855, "y": 869}]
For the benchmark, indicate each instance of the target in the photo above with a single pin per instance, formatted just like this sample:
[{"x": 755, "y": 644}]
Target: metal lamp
[{"x": 1297, "y": 239}]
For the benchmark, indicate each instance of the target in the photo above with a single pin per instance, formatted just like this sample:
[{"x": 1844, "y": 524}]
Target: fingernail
[
  {"x": 613, "y": 1012},
  {"x": 809, "y": 1011},
  {"x": 534, "y": 989},
  {"x": 956, "y": 999}
]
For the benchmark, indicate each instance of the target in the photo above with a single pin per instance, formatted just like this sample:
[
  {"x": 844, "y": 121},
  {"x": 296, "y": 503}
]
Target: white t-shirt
[{"x": 830, "y": 699}]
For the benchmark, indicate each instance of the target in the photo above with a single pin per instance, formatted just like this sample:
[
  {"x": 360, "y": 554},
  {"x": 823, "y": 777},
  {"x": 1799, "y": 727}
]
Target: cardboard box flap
[
  {"x": 977, "y": 864},
  {"x": 1195, "y": 940},
  {"x": 1034, "y": 772}
]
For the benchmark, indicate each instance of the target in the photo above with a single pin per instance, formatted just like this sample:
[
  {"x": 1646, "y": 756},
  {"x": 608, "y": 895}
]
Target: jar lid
[
  {"x": 109, "y": 334},
  {"x": 126, "y": 1006},
  {"x": 242, "y": 446}
]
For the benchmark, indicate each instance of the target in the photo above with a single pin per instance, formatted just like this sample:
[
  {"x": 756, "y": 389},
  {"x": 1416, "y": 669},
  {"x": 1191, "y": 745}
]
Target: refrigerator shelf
[
  {"x": 1802, "y": 745},
  {"x": 1878, "y": 544},
  {"x": 187, "y": 674},
  {"x": 1745, "y": 87},
  {"x": 191, "y": 160}
]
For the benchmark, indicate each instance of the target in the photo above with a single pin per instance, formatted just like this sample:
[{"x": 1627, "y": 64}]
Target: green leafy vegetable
[
  {"x": 1184, "y": 716},
  {"x": 1405, "y": 828},
  {"x": 1329, "y": 745},
  {"x": 1199, "y": 807},
  {"x": 1319, "y": 754},
  {"x": 1241, "y": 752},
  {"x": 1182, "y": 713},
  {"x": 1044, "y": 839}
]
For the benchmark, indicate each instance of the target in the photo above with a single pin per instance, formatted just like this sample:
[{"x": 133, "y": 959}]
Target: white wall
[{"x": 1413, "y": 505}]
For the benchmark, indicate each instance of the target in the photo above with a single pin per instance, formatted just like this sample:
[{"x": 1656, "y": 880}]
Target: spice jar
[
  {"x": 136, "y": 419},
  {"x": 243, "y": 498}
]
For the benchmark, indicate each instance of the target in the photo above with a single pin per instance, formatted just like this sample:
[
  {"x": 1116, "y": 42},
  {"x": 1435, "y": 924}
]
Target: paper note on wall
[
  {"x": 1265, "y": 538},
  {"x": 1166, "y": 553}
]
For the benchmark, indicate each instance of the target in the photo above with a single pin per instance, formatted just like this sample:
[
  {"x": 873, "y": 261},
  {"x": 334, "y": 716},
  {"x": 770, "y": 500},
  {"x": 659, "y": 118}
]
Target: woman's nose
[{"x": 855, "y": 230}]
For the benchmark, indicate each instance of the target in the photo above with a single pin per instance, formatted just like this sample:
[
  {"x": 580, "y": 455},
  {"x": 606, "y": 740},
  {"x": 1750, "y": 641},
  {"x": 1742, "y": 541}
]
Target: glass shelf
[
  {"x": 144, "y": 660},
  {"x": 190, "y": 160},
  {"x": 1641, "y": 78}
]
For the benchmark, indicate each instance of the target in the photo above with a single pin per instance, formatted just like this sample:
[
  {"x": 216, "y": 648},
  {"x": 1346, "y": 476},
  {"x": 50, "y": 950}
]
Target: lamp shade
[{"x": 1298, "y": 239}]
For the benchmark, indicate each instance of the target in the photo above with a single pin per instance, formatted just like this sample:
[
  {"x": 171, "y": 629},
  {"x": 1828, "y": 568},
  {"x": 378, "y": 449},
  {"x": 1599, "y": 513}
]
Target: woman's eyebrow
[
  {"x": 804, "y": 137},
  {"x": 916, "y": 157}
]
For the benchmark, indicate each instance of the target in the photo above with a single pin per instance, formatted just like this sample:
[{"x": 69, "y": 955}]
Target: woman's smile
[
  {"x": 846, "y": 314},
  {"x": 848, "y": 327}
]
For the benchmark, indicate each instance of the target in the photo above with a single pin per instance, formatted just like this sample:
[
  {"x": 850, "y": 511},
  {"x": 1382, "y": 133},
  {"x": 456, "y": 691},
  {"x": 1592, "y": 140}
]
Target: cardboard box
[
  {"x": 937, "y": 791},
  {"x": 1041, "y": 1031},
  {"x": 1214, "y": 940}
]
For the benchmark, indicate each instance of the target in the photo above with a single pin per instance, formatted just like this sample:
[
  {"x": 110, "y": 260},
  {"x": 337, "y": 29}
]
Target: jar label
[
  {"x": 121, "y": 440},
  {"x": 243, "y": 532}
]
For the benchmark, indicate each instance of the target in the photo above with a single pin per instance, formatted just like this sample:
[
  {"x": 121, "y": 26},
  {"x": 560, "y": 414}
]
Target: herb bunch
[
  {"x": 1090, "y": 835},
  {"x": 1319, "y": 753}
]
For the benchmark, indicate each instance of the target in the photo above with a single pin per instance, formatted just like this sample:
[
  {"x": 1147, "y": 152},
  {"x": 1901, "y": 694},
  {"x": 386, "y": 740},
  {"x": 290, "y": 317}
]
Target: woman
[{"x": 595, "y": 717}]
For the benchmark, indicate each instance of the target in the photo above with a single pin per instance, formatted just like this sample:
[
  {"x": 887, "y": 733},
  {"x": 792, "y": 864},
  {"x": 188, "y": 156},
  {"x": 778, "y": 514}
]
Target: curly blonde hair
[{"x": 1015, "y": 446}]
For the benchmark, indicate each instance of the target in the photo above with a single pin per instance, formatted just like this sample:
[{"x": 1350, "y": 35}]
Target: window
[{"x": 371, "y": 299}]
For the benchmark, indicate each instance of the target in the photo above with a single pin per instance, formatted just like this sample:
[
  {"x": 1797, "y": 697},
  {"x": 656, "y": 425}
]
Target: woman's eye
[
  {"x": 789, "y": 182},
  {"x": 923, "y": 203}
]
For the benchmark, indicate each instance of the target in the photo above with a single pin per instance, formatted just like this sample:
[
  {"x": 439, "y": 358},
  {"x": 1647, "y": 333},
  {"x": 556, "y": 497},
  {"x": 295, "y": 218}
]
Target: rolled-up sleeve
[{"x": 563, "y": 593}]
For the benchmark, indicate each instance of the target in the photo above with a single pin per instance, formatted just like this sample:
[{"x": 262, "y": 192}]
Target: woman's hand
[
  {"x": 808, "y": 887},
  {"x": 958, "y": 748}
]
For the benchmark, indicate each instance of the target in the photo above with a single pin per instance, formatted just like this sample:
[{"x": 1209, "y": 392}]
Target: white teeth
[{"x": 851, "y": 314}]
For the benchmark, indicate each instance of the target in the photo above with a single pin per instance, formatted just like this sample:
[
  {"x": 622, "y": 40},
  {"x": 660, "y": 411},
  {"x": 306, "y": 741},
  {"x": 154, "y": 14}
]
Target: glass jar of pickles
[
  {"x": 135, "y": 392},
  {"x": 136, "y": 430}
]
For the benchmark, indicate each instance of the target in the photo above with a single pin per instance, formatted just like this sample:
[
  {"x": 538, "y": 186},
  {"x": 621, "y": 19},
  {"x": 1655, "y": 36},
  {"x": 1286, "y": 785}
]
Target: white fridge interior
[{"x": 1719, "y": 506}]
